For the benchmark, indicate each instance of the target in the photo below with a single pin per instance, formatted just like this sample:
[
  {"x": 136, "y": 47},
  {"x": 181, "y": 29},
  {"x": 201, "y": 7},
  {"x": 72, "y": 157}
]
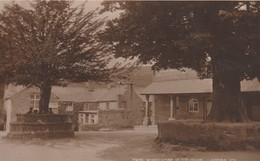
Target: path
[{"x": 127, "y": 145}]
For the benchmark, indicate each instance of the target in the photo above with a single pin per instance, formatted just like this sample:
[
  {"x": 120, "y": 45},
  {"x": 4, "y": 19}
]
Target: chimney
[
  {"x": 130, "y": 87},
  {"x": 89, "y": 86}
]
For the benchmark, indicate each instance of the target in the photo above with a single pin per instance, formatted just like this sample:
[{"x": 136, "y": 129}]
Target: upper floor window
[
  {"x": 34, "y": 101},
  {"x": 193, "y": 105}
]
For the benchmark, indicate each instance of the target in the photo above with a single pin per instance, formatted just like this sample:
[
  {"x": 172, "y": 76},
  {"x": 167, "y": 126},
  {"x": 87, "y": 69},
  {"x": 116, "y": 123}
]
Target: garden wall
[
  {"x": 114, "y": 119},
  {"x": 214, "y": 136}
]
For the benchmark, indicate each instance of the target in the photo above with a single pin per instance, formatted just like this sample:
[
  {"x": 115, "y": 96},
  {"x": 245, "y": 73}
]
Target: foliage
[
  {"x": 188, "y": 34},
  {"x": 53, "y": 43}
]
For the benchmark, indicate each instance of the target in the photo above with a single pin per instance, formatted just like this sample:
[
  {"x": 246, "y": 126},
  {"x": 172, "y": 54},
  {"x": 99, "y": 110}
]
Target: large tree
[
  {"x": 53, "y": 43},
  {"x": 220, "y": 40}
]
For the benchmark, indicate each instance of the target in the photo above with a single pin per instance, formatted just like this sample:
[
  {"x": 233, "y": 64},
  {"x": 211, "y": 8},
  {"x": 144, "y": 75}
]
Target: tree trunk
[
  {"x": 227, "y": 105},
  {"x": 2, "y": 92},
  {"x": 45, "y": 94}
]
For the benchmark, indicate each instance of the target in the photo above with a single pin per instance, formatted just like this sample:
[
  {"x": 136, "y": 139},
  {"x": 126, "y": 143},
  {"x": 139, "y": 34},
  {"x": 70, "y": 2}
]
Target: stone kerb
[{"x": 213, "y": 136}]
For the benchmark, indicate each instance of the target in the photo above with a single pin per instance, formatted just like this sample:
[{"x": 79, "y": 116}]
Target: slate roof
[
  {"x": 74, "y": 94},
  {"x": 77, "y": 94},
  {"x": 104, "y": 94},
  {"x": 12, "y": 90},
  {"x": 81, "y": 94},
  {"x": 193, "y": 86}
]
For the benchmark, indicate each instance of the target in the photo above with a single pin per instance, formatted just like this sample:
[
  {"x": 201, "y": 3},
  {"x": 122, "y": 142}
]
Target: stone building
[
  {"x": 97, "y": 103},
  {"x": 116, "y": 107},
  {"x": 192, "y": 99}
]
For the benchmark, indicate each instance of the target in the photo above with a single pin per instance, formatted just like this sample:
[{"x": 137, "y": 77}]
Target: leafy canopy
[
  {"x": 209, "y": 37},
  {"x": 52, "y": 43}
]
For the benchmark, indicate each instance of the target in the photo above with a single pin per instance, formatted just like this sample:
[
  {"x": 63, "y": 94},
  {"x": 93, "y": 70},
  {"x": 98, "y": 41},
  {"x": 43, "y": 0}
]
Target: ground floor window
[
  {"x": 88, "y": 118},
  {"x": 92, "y": 119},
  {"x": 193, "y": 105}
]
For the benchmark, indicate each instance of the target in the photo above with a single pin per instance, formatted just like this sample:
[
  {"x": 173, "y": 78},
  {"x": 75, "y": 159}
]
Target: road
[{"x": 126, "y": 145}]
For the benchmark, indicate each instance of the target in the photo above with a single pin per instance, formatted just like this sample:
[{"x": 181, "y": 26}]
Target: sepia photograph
[{"x": 115, "y": 80}]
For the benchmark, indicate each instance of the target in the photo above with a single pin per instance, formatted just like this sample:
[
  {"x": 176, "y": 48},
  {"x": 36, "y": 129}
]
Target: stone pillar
[
  {"x": 153, "y": 117},
  {"x": 172, "y": 109},
  {"x": 146, "y": 121}
]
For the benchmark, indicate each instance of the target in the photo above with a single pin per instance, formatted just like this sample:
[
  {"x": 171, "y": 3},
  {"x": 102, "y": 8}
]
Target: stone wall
[
  {"x": 162, "y": 107},
  {"x": 214, "y": 136},
  {"x": 183, "y": 111},
  {"x": 114, "y": 119},
  {"x": 251, "y": 103},
  {"x": 44, "y": 126},
  {"x": 133, "y": 103}
]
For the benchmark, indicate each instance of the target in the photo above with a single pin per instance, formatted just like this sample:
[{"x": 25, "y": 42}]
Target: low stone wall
[
  {"x": 214, "y": 136},
  {"x": 42, "y": 126},
  {"x": 114, "y": 119},
  {"x": 32, "y": 118}
]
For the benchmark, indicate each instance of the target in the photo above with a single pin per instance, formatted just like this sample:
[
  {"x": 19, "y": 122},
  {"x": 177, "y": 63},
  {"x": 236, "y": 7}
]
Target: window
[
  {"x": 69, "y": 106},
  {"x": 34, "y": 101},
  {"x": 88, "y": 118},
  {"x": 53, "y": 105},
  {"x": 193, "y": 105},
  {"x": 91, "y": 118}
]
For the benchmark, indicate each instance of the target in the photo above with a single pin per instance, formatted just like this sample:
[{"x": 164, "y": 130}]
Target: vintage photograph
[{"x": 103, "y": 80}]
